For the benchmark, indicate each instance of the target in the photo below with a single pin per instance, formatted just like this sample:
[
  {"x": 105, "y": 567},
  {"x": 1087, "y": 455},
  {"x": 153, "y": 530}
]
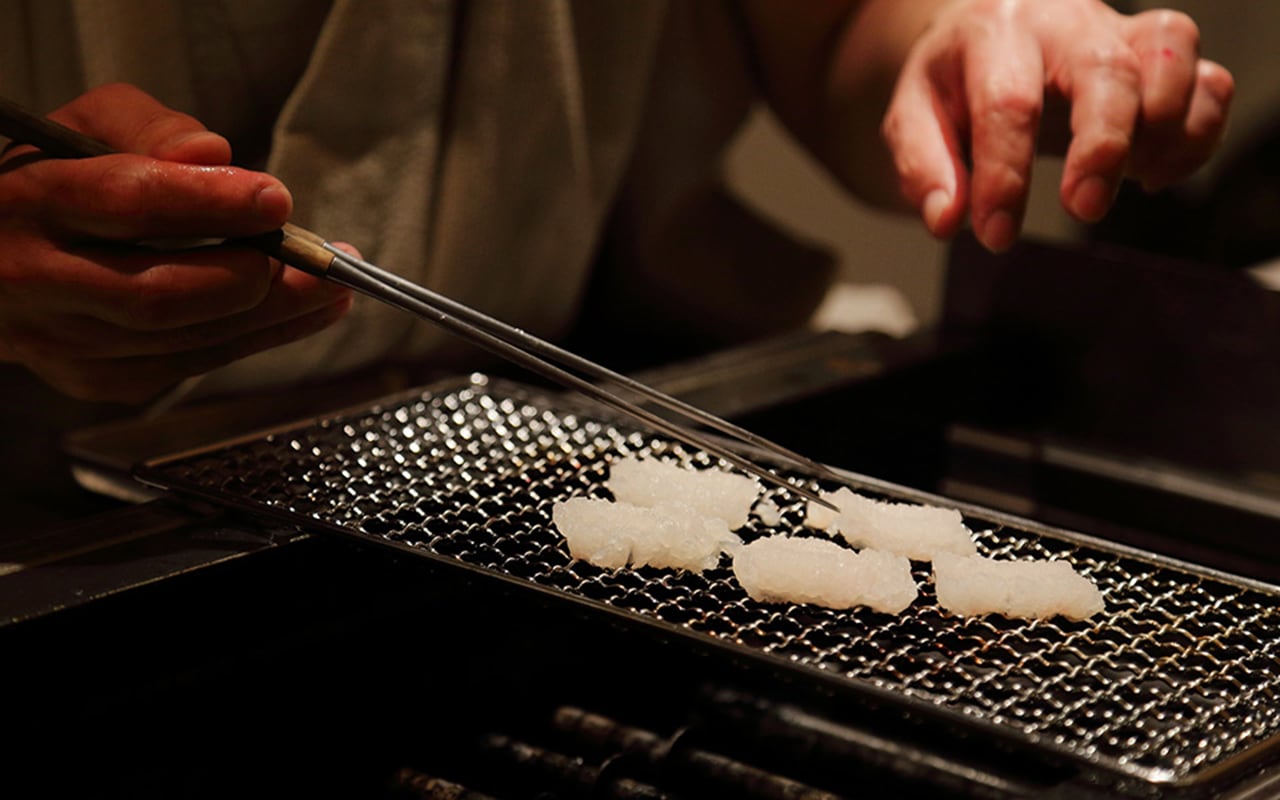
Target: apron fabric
[{"x": 485, "y": 148}]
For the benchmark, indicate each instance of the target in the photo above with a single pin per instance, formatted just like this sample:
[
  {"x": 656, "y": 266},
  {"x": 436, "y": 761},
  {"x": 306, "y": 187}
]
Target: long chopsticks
[{"x": 310, "y": 253}]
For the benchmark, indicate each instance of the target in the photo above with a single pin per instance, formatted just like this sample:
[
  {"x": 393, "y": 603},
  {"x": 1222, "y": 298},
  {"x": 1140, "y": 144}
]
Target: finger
[
  {"x": 130, "y": 120},
  {"x": 138, "y": 380},
  {"x": 1104, "y": 87},
  {"x": 128, "y": 198},
  {"x": 1005, "y": 88},
  {"x": 348, "y": 248},
  {"x": 80, "y": 337},
  {"x": 1167, "y": 155},
  {"x": 921, "y": 128},
  {"x": 145, "y": 290},
  {"x": 1167, "y": 44},
  {"x": 1210, "y": 106}
]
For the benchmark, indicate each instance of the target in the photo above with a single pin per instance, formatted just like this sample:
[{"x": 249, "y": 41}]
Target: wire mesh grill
[{"x": 1177, "y": 678}]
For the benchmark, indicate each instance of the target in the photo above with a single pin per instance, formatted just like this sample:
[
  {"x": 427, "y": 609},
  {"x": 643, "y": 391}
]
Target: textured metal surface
[{"x": 1176, "y": 683}]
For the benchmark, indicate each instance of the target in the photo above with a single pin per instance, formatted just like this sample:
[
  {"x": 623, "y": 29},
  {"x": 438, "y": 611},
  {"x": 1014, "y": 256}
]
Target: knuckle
[
  {"x": 893, "y": 130},
  {"x": 123, "y": 183},
  {"x": 1105, "y": 147},
  {"x": 890, "y": 126},
  {"x": 1002, "y": 184},
  {"x": 1008, "y": 106},
  {"x": 1117, "y": 62},
  {"x": 907, "y": 162},
  {"x": 1010, "y": 181},
  {"x": 121, "y": 177},
  {"x": 148, "y": 304},
  {"x": 1171, "y": 22}
]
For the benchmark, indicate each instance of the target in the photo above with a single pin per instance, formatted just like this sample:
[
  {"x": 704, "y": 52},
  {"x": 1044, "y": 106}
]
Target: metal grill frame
[{"x": 1014, "y": 668}]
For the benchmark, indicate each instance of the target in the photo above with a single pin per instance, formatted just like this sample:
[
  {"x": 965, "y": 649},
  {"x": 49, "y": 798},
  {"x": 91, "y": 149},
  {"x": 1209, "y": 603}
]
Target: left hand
[{"x": 964, "y": 118}]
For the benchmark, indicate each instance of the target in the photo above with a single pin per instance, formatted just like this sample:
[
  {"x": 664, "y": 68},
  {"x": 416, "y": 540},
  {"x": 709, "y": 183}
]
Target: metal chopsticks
[
  {"x": 539, "y": 356},
  {"x": 311, "y": 253}
]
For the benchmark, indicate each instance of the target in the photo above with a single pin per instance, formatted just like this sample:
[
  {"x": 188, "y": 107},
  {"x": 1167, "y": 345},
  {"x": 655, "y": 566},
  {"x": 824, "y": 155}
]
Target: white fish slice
[
  {"x": 1031, "y": 589},
  {"x": 785, "y": 569}
]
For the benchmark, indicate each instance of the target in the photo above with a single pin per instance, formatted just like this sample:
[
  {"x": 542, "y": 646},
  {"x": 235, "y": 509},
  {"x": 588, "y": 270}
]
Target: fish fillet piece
[
  {"x": 782, "y": 569},
  {"x": 1037, "y": 589},
  {"x": 711, "y": 492},
  {"x": 768, "y": 512},
  {"x": 613, "y": 535},
  {"x": 916, "y": 531}
]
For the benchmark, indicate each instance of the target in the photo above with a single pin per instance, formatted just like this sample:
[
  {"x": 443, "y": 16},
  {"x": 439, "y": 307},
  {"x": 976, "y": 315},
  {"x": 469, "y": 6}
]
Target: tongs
[{"x": 311, "y": 253}]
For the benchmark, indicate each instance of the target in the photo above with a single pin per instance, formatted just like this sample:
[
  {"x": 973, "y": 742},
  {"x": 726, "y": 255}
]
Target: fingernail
[
  {"x": 935, "y": 205},
  {"x": 999, "y": 231},
  {"x": 274, "y": 202},
  {"x": 196, "y": 136},
  {"x": 1091, "y": 198},
  {"x": 197, "y": 147}
]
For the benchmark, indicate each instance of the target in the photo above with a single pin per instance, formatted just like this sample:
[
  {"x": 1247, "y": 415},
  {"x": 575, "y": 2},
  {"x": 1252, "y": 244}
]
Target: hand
[
  {"x": 1143, "y": 104},
  {"x": 102, "y": 319}
]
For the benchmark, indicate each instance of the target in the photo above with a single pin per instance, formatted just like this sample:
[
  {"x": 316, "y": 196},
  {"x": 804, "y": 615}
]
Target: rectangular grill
[{"x": 1175, "y": 685}]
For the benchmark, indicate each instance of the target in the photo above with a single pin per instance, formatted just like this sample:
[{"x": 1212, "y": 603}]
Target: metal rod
[
  {"x": 352, "y": 274},
  {"x": 552, "y": 352}
]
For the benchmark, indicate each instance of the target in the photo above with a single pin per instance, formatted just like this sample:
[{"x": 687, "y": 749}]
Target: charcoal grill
[{"x": 1175, "y": 688}]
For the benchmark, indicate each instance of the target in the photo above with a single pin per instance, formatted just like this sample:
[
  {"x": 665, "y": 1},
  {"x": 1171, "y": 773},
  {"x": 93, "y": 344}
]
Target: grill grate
[{"x": 1178, "y": 681}]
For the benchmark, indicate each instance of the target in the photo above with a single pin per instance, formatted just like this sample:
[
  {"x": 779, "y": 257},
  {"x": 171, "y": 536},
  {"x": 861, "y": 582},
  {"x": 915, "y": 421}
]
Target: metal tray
[{"x": 1176, "y": 685}]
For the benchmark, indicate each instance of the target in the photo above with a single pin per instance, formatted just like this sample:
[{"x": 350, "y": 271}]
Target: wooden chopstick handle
[
  {"x": 295, "y": 246},
  {"x": 55, "y": 140}
]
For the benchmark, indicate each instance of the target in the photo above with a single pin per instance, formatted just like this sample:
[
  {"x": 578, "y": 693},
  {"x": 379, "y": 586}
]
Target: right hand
[
  {"x": 965, "y": 119},
  {"x": 99, "y": 319}
]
